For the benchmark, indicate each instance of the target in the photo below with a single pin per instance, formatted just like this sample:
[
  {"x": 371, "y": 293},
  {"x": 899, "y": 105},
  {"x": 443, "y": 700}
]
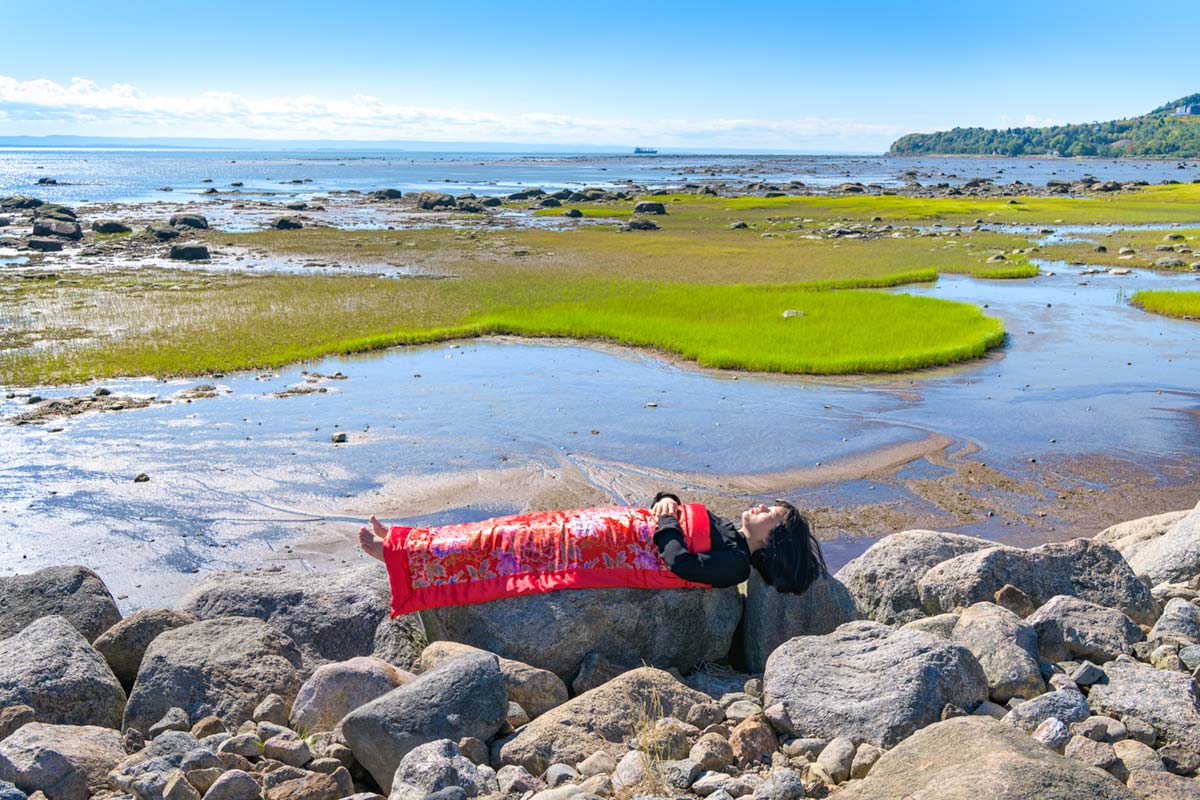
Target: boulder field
[{"x": 935, "y": 665}]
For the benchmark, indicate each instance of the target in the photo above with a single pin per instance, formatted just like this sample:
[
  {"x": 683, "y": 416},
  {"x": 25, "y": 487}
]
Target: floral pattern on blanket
[{"x": 614, "y": 538}]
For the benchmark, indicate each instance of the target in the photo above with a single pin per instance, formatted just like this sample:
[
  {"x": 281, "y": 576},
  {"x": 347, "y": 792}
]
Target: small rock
[
  {"x": 308, "y": 786},
  {"x": 203, "y": 779},
  {"x": 516, "y": 716},
  {"x": 1092, "y": 753},
  {"x": 678, "y": 774},
  {"x": 1052, "y": 733},
  {"x": 516, "y": 780},
  {"x": 247, "y": 745},
  {"x": 1100, "y": 728},
  {"x": 753, "y": 741},
  {"x": 1067, "y": 705},
  {"x": 601, "y": 763},
  {"x": 288, "y": 748},
  {"x": 110, "y": 226},
  {"x": 712, "y": 752},
  {"x": 837, "y": 758},
  {"x": 781, "y": 784},
  {"x": 1133, "y": 755},
  {"x": 1179, "y": 759},
  {"x": 189, "y": 221},
  {"x": 179, "y": 788},
  {"x": 339, "y": 438},
  {"x": 234, "y": 785},
  {"x": 272, "y": 709},
  {"x": 640, "y": 224},
  {"x": 558, "y": 774},
  {"x": 1086, "y": 674},
  {"x": 208, "y": 726},
  {"x": 473, "y": 749},
  {"x": 1015, "y": 600},
  {"x": 741, "y": 709},
  {"x": 864, "y": 758},
  {"x": 189, "y": 252},
  {"x": 704, "y": 714},
  {"x": 176, "y": 719}
]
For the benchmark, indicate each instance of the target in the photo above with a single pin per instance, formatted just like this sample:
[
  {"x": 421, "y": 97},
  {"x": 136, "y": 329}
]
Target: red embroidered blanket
[{"x": 590, "y": 548}]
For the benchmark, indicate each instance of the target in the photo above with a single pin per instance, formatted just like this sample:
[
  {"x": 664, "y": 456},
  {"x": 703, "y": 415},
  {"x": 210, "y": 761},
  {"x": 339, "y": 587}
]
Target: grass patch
[
  {"x": 701, "y": 291},
  {"x": 149, "y": 325},
  {"x": 743, "y": 327},
  {"x": 1182, "y": 304},
  {"x": 1149, "y": 204}
]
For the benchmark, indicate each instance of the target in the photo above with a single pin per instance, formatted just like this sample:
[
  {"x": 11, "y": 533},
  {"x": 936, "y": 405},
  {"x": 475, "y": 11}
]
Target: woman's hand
[{"x": 665, "y": 507}]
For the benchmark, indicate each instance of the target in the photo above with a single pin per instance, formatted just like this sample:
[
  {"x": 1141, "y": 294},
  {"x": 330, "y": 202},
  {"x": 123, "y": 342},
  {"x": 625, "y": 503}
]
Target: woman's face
[{"x": 758, "y": 522}]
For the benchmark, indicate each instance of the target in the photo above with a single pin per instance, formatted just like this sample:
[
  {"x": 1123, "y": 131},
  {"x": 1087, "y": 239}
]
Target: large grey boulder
[
  {"x": 1079, "y": 568},
  {"x": 868, "y": 683},
  {"x": 1005, "y": 647},
  {"x": 1129, "y": 537},
  {"x": 770, "y": 618},
  {"x": 1167, "y": 700},
  {"x": 1069, "y": 628},
  {"x": 1180, "y": 622},
  {"x": 535, "y": 690},
  {"x": 461, "y": 697},
  {"x": 51, "y": 668},
  {"x": 664, "y": 627},
  {"x": 332, "y": 616},
  {"x": 224, "y": 666},
  {"x": 1173, "y": 557},
  {"x": 978, "y": 758},
  {"x": 431, "y": 767},
  {"x": 124, "y": 644},
  {"x": 883, "y": 580},
  {"x": 74, "y": 593},
  {"x": 64, "y": 762},
  {"x": 604, "y": 718},
  {"x": 336, "y": 689},
  {"x": 1165, "y": 550}
]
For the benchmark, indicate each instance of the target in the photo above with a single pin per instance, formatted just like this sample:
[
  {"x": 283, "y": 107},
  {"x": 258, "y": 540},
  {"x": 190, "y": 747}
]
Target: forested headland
[{"x": 1171, "y": 130}]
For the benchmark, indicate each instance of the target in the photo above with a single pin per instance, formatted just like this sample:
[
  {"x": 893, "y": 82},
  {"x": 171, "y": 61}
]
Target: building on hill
[{"x": 1187, "y": 110}]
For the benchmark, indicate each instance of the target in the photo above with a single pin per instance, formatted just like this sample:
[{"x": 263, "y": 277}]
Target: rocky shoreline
[
  {"x": 30, "y": 226},
  {"x": 934, "y": 665}
]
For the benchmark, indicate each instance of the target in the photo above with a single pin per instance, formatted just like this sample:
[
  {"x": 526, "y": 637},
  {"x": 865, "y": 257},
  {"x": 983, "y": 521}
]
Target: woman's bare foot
[{"x": 371, "y": 539}]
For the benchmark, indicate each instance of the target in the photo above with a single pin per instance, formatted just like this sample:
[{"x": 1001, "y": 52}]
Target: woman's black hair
[{"x": 792, "y": 558}]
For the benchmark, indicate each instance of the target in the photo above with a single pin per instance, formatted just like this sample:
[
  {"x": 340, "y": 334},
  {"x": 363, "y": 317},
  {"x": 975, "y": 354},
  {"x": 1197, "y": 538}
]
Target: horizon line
[{"x": 417, "y": 145}]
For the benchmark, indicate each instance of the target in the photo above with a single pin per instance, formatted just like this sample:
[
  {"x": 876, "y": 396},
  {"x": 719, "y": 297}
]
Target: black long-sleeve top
[{"x": 727, "y": 563}]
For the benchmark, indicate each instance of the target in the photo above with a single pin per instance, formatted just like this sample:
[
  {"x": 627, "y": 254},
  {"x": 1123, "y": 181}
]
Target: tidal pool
[{"x": 472, "y": 429}]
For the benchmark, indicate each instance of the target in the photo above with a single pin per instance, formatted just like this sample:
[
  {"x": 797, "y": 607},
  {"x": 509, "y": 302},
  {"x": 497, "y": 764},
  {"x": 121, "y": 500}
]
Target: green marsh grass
[
  {"x": 479, "y": 281},
  {"x": 1183, "y": 304},
  {"x": 244, "y": 322},
  {"x": 1149, "y": 204},
  {"x": 743, "y": 327}
]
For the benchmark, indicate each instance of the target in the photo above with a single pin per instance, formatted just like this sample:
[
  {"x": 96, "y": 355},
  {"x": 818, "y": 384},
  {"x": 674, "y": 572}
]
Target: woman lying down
[{"x": 670, "y": 545}]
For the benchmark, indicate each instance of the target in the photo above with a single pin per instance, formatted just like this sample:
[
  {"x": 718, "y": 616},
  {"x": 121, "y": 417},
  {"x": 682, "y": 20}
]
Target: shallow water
[
  {"x": 241, "y": 477},
  {"x": 132, "y": 175}
]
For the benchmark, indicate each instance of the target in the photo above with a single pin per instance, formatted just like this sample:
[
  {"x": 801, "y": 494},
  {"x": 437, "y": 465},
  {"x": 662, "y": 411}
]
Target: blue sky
[{"x": 845, "y": 76}]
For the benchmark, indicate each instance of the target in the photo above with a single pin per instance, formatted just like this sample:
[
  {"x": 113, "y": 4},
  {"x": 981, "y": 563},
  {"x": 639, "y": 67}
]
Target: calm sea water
[{"x": 135, "y": 175}]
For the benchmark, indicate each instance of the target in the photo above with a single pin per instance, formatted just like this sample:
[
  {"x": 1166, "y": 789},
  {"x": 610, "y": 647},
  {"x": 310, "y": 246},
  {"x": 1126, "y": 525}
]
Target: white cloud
[{"x": 41, "y": 106}]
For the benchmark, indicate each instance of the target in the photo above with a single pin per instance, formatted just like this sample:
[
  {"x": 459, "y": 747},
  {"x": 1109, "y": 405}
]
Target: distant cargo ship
[{"x": 644, "y": 151}]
